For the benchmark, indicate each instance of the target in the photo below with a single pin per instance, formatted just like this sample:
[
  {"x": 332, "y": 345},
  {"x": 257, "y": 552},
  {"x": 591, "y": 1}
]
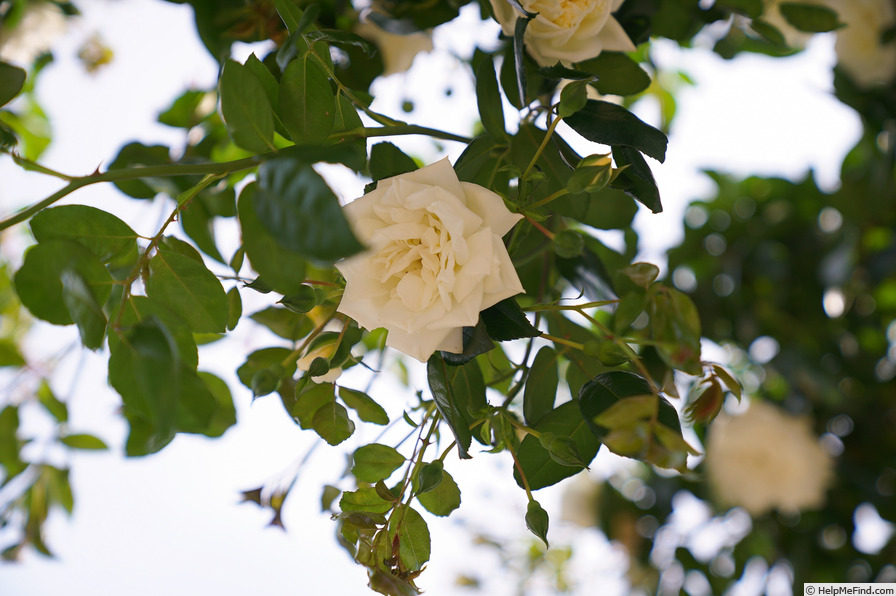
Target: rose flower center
[{"x": 565, "y": 13}]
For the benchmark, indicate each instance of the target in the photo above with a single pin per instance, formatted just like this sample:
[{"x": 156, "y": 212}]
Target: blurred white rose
[
  {"x": 40, "y": 26},
  {"x": 766, "y": 459},
  {"x": 859, "y": 49},
  {"x": 398, "y": 51},
  {"x": 567, "y": 30},
  {"x": 435, "y": 259}
]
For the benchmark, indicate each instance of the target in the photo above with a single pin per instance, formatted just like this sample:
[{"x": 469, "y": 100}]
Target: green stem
[
  {"x": 565, "y": 342},
  {"x": 544, "y": 143},
  {"x": 394, "y": 130},
  {"x": 560, "y": 193},
  {"x": 222, "y": 168},
  {"x": 575, "y": 307}
]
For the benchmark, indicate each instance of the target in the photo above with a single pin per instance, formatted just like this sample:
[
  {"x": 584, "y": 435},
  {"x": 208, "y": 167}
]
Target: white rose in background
[
  {"x": 860, "y": 51},
  {"x": 398, "y": 51},
  {"x": 435, "y": 259},
  {"x": 567, "y": 30},
  {"x": 766, "y": 459},
  {"x": 41, "y": 25}
]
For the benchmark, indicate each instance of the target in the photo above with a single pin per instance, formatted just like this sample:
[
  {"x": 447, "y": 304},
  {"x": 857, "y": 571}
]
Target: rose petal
[{"x": 490, "y": 207}]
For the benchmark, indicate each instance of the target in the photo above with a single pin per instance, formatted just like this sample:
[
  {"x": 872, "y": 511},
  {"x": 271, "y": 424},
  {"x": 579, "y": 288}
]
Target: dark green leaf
[
  {"x": 519, "y": 65},
  {"x": 488, "y": 99},
  {"x": 300, "y": 211},
  {"x": 588, "y": 274},
  {"x": 189, "y": 289},
  {"x": 616, "y": 73},
  {"x": 10, "y": 354},
  {"x": 332, "y": 423},
  {"x": 12, "y": 79},
  {"x": 505, "y": 321},
  {"x": 367, "y": 409},
  {"x": 139, "y": 308},
  {"x": 811, "y": 18},
  {"x": 199, "y": 224},
  {"x": 82, "y": 306},
  {"x": 281, "y": 269},
  {"x": 184, "y": 112},
  {"x": 83, "y": 441},
  {"x": 223, "y": 414},
  {"x": 443, "y": 499},
  {"x": 606, "y": 389},
  {"x": 541, "y": 386},
  {"x": 410, "y": 531},
  {"x": 387, "y": 160},
  {"x": 610, "y": 124},
  {"x": 374, "y": 462},
  {"x": 137, "y": 154},
  {"x": 102, "y": 233},
  {"x": 537, "y": 521},
  {"x": 539, "y": 467},
  {"x": 39, "y": 285},
  {"x": 234, "y": 308},
  {"x": 454, "y": 410},
  {"x": 429, "y": 477},
  {"x": 246, "y": 109},
  {"x": 568, "y": 244},
  {"x": 307, "y": 105},
  {"x": 476, "y": 341},
  {"x": 637, "y": 179}
]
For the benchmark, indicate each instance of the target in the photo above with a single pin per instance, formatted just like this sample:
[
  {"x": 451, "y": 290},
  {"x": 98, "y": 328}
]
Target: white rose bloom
[
  {"x": 398, "y": 51},
  {"x": 40, "y": 26},
  {"x": 435, "y": 259},
  {"x": 567, "y": 30},
  {"x": 859, "y": 48},
  {"x": 766, "y": 459}
]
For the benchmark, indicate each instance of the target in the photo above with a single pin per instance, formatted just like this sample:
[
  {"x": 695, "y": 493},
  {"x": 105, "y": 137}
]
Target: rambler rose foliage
[{"x": 543, "y": 344}]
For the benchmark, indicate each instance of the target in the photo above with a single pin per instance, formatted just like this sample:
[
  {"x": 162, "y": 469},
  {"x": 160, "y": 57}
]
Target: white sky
[{"x": 169, "y": 523}]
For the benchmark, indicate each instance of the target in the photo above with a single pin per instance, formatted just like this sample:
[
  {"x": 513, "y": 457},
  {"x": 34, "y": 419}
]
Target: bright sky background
[{"x": 170, "y": 523}]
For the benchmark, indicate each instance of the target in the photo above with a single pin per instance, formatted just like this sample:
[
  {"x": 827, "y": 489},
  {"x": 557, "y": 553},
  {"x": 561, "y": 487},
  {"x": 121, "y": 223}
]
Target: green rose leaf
[
  {"x": 810, "y": 17},
  {"x": 387, "y": 160},
  {"x": 636, "y": 180},
  {"x": 616, "y": 73},
  {"x": 51, "y": 403},
  {"x": 455, "y": 408},
  {"x": 541, "y": 386},
  {"x": 364, "y": 500},
  {"x": 137, "y": 154},
  {"x": 246, "y": 108},
  {"x": 85, "y": 311},
  {"x": 83, "y": 441},
  {"x": 39, "y": 281},
  {"x": 363, "y": 405},
  {"x": 412, "y": 535},
  {"x": 309, "y": 400},
  {"x": 300, "y": 211},
  {"x": 281, "y": 269},
  {"x": 189, "y": 289},
  {"x": 332, "y": 423},
  {"x": 102, "y": 233},
  {"x": 540, "y": 468},
  {"x": 306, "y": 104},
  {"x": 429, "y": 476},
  {"x": 609, "y": 124},
  {"x": 443, "y": 499},
  {"x": 375, "y": 462},
  {"x": 488, "y": 99},
  {"x": 505, "y": 321},
  {"x": 675, "y": 322},
  {"x": 284, "y": 323},
  {"x": 12, "y": 79}
]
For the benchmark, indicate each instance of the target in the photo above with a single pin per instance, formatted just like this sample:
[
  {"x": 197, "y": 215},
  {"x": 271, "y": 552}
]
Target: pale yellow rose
[
  {"x": 859, "y": 49},
  {"x": 766, "y": 459},
  {"x": 435, "y": 259},
  {"x": 397, "y": 51},
  {"x": 567, "y": 31}
]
